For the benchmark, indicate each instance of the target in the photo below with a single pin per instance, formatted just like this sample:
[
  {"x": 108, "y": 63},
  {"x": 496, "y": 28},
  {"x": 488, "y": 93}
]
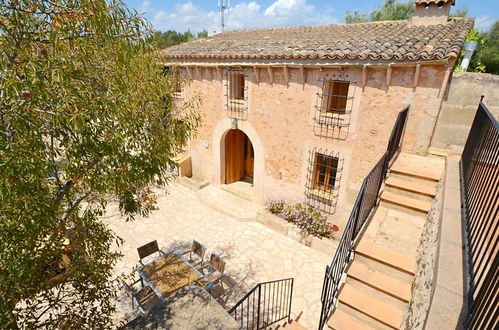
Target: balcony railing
[{"x": 479, "y": 169}]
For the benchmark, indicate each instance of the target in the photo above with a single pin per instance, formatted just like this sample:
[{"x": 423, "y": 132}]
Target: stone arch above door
[{"x": 221, "y": 129}]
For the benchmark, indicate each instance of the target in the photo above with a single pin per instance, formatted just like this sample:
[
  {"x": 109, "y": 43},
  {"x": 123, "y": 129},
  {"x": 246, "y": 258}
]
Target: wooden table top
[{"x": 170, "y": 273}]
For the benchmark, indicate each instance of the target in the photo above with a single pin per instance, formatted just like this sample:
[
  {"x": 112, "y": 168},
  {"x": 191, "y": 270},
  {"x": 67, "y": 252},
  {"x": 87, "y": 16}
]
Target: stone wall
[
  {"x": 459, "y": 108},
  {"x": 280, "y": 124}
]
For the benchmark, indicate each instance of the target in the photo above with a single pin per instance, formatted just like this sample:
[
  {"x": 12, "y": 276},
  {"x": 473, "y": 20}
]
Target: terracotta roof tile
[{"x": 398, "y": 40}]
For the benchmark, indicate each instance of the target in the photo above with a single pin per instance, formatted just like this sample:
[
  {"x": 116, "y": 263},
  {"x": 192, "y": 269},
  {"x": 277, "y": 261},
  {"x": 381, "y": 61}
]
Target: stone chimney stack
[{"x": 430, "y": 12}]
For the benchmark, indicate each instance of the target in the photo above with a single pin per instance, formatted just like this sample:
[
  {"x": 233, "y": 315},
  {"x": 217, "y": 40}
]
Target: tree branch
[
  {"x": 73, "y": 205},
  {"x": 62, "y": 192}
]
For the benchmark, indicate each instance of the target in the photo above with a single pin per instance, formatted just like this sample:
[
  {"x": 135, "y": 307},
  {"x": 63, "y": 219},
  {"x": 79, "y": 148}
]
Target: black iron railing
[
  {"x": 266, "y": 304},
  {"x": 479, "y": 168},
  {"x": 364, "y": 204}
]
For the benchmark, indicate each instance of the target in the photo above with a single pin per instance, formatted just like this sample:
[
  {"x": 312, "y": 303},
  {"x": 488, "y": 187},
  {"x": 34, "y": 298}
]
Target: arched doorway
[{"x": 239, "y": 157}]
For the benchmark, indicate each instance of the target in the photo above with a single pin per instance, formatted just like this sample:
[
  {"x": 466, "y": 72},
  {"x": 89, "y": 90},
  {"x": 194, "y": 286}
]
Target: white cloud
[
  {"x": 187, "y": 15},
  {"x": 484, "y": 22},
  {"x": 145, "y": 7}
]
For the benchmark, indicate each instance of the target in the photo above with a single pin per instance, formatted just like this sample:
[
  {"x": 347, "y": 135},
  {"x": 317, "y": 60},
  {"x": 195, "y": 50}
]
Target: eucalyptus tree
[{"x": 85, "y": 117}]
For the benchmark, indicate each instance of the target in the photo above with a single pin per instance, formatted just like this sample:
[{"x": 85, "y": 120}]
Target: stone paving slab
[{"x": 254, "y": 253}]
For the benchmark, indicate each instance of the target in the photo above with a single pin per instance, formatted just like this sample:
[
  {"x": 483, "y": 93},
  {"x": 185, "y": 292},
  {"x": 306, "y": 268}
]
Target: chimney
[{"x": 430, "y": 12}]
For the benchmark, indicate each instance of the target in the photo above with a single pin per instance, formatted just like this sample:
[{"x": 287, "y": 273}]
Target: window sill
[{"x": 322, "y": 196}]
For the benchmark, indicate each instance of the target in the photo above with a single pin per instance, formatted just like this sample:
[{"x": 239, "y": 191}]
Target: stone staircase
[{"x": 377, "y": 286}]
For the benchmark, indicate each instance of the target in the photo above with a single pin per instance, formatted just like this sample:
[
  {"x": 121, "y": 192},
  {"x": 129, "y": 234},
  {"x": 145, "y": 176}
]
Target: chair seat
[{"x": 145, "y": 294}]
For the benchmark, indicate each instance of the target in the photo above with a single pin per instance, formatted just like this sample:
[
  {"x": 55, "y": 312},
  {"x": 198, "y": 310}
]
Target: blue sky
[{"x": 197, "y": 15}]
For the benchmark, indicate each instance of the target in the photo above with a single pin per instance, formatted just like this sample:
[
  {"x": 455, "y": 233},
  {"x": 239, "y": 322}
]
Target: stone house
[{"x": 303, "y": 113}]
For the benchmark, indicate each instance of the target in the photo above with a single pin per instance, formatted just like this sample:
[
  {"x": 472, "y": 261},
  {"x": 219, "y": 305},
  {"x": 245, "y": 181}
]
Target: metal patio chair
[
  {"x": 196, "y": 253},
  {"x": 144, "y": 297},
  {"x": 148, "y": 249},
  {"x": 223, "y": 290},
  {"x": 214, "y": 268}
]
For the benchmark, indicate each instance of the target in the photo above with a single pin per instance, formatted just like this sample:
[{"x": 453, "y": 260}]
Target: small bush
[{"x": 304, "y": 215}]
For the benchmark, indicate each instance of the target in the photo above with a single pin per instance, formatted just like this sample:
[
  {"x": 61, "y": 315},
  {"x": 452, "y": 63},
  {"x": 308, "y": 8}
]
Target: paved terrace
[{"x": 219, "y": 220}]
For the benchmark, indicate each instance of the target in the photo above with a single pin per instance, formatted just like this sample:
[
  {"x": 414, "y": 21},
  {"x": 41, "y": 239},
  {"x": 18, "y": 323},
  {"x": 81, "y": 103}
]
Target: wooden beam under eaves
[
  {"x": 303, "y": 74},
  {"x": 388, "y": 76},
  {"x": 444, "y": 83},
  {"x": 189, "y": 73},
  {"x": 364, "y": 77},
  {"x": 417, "y": 72},
  {"x": 219, "y": 73},
  {"x": 286, "y": 73},
  {"x": 200, "y": 75},
  {"x": 271, "y": 74},
  {"x": 255, "y": 70},
  {"x": 208, "y": 72}
]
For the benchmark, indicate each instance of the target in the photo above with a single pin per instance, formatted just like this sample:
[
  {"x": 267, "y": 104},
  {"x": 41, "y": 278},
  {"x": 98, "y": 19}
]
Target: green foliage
[
  {"x": 489, "y": 51},
  {"x": 171, "y": 38},
  {"x": 303, "y": 215},
  {"x": 391, "y": 10},
  {"x": 475, "y": 63},
  {"x": 84, "y": 119},
  {"x": 355, "y": 17},
  {"x": 460, "y": 12}
]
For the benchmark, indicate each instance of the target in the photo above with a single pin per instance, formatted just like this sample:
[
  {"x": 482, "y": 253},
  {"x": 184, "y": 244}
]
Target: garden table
[{"x": 169, "y": 273}]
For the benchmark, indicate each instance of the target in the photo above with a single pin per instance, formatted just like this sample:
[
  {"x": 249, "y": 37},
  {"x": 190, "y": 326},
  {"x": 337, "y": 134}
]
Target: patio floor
[{"x": 219, "y": 220}]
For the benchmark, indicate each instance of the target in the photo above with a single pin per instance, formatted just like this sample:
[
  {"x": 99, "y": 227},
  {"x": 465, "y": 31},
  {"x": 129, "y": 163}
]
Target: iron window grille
[
  {"x": 236, "y": 95},
  {"x": 334, "y": 102},
  {"x": 323, "y": 179}
]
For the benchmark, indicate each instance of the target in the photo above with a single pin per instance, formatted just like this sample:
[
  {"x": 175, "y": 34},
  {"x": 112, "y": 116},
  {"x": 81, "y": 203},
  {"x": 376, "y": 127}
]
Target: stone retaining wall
[{"x": 459, "y": 108}]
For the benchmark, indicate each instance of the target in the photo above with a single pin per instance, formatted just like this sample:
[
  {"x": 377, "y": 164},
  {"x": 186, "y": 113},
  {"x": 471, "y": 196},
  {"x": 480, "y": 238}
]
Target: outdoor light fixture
[{"x": 234, "y": 123}]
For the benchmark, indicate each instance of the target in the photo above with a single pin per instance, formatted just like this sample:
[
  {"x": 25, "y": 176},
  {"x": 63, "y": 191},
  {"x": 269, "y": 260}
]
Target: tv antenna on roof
[{"x": 223, "y": 5}]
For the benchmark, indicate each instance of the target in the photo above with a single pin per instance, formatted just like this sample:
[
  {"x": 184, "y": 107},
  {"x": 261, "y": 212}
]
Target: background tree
[
  {"x": 85, "y": 118},
  {"x": 393, "y": 10},
  {"x": 356, "y": 17},
  {"x": 171, "y": 38},
  {"x": 488, "y": 54}
]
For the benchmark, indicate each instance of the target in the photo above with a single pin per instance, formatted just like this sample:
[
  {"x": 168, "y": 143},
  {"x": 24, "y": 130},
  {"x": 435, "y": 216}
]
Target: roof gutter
[{"x": 309, "y": 64}]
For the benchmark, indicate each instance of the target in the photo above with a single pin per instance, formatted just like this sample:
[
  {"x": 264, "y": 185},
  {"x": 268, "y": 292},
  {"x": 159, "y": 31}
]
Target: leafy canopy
[
  {"x": 85, "y": 117},
  {"x": 488, "y": 54},
  {"x": 171, "y": 38},
  {"x": 391, "y": 10}
]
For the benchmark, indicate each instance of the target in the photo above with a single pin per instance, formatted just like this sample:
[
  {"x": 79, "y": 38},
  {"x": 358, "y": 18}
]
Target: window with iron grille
[
  {"x": 334, "y": 102},
  {"x": 236, "y": 93},
  {"x": 323, "y": 179}
]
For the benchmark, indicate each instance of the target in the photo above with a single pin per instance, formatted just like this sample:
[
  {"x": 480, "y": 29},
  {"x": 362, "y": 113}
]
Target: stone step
[
  {"x": 361, "y": 317},
  {"x": 409, "y": 202},
  {"x": 380, "y": 281},
  {"x": 192, "y": 183},
  {"x": 372, "y": 307},
  {"x": 428, "y": 168},
  {"x": 419, "y": 188},
  {"x": 376, "y": 221},
  {"x": 341, "y": 320},
  {"x": 386, "y": 256}
]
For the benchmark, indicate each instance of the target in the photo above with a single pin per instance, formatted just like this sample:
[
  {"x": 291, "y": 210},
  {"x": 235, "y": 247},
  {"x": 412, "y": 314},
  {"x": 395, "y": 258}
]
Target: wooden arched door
[{"x": 239, "y": 156}]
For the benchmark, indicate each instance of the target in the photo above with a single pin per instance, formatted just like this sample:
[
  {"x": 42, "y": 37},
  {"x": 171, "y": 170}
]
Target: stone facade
[{"x": 280, "y": 123}]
